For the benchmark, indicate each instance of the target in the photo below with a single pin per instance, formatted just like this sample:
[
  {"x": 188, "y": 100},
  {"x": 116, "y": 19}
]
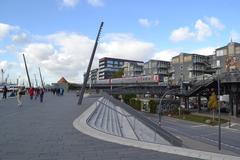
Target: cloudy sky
[{"x": 58, "y": 35}]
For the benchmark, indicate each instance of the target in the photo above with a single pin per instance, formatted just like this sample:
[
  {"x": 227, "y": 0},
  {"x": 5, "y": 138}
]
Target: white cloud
[
  {"x": 181, "y": 34},
  {"x": 39, "y": 51},
  {"x": 144, "y": 22},
  {"x": 205, "y": 51},
  {"x": 70, "y": 3},
  {"x": 202, "y": 30},
  {"x": 20, "y": 38},
  {"x": 4, "y": 30},
  {"x": 2, "y": 51},
  {"x": 166, "y": 55},
  {"x": 3, "y": 64},
  {"x": 64, "y": 55},
  {"x": 213, "y": 21},
  {"x": 68, "y": 54},
  {"x": 125, "y": 46},
  {"x": 234, "y": 36},
  {"x": 96, "y": 3}
]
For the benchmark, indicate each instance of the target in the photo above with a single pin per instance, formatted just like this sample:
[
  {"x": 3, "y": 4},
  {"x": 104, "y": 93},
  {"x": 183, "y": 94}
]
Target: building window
[
  {"x": 109, "y": 65},
  {"x": 220, "y": 53},
  {"x": 110, "y": 62}
]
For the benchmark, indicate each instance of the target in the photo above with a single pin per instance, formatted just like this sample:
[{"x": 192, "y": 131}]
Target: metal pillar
[
  {"x": 199, "y": 102},
  {"x": 36, "y": 80},
  {"x": 41, "y": 77},
  {"x": 29, "y": 82},
  {"x": 219, "y": 114},
  {"x": 89, "y": 67}
]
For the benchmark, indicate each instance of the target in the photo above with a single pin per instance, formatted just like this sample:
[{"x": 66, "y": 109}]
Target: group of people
[
  {"x": 32, "y": 92},
  {"x": 57, "y": 91},
  {"x": 37, "y": 92}
]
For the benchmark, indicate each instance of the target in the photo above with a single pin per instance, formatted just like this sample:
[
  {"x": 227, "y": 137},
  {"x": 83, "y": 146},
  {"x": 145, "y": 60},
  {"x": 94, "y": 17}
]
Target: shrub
[
  {"x": 153, "y": 106},
  {"x": 136, "y": 104},
  {"x": 127, "y": 97}
]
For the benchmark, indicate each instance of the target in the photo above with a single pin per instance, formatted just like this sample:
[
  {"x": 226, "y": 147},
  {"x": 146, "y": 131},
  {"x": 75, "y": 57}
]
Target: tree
[
  {"x": 212, "y": 103},
  {"x": 118, "y": 74}
]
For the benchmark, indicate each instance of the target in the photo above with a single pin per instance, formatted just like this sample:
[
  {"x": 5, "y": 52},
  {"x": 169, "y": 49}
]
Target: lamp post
[
  {"x": 219, "y": 105},
  {"x": 160, "y": 104}
]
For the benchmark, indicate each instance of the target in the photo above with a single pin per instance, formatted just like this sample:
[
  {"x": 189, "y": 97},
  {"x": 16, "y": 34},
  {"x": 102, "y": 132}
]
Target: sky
[{"x": 58, "y": 35}]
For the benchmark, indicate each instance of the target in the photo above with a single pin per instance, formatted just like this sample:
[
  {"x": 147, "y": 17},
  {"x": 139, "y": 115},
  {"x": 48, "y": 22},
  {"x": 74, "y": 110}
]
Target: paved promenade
[{"x": 44, "y": 131}]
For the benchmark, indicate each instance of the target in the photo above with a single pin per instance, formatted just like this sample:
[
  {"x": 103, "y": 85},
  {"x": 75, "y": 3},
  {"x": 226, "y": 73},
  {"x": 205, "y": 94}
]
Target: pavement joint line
[{"x": 81, "y": 125}]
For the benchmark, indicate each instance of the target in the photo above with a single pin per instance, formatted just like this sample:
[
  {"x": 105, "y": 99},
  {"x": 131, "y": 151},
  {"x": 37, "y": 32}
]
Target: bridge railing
[{"x": 151, "y": 124}]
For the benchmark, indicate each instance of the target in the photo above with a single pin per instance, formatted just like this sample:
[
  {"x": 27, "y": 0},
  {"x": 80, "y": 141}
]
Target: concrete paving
[{"x": 44, "y": 131}]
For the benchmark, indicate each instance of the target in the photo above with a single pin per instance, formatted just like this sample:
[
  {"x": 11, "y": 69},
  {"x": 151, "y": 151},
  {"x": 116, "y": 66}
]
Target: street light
[
  {"x": 219, "y": 105},
  {"x": 160, "y": 104}
]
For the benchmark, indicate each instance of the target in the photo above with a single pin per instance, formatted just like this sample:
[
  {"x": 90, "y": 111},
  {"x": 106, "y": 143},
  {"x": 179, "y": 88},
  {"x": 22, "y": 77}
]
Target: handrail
[{"x": 131, "y": 124}]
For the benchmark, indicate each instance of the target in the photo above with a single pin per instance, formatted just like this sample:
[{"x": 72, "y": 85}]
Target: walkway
[{"x": 45, "y": 132}]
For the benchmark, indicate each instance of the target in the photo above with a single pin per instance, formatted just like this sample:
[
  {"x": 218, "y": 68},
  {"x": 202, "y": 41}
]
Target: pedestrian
[
  {"x": 30, "y": 92},
  {"x": 62, "y": 91},
  {"x": 19, "y": 96},
  {"x": 5, "y": 92},
  {"x": 37, "y": 93},
  {"x": 41, "y": 94}
]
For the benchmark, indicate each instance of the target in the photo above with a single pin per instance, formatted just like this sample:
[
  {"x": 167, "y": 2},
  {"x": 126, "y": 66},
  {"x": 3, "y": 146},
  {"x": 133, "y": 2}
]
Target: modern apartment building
[
  {"x": 157, "y": 67},
  {"x": 227, "y": 57},
  {"x": 107, "y": 66},
  {"x": 187, "y": 66},
  {"x": 133, "y": 69},
  {"x": 93, "y": 76}
]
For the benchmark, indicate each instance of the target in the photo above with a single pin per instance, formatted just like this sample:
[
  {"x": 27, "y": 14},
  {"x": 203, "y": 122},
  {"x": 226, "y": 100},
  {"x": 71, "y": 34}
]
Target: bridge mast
[
  {"x": 29, "y": 82},
  {"x": 41, "y": 77},
  {"x": 89, "y": 66}
]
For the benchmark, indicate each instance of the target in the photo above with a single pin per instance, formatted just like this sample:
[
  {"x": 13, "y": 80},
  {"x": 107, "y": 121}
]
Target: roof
[
  {"x": 125, "y": 60},
  {"x": 233, "y": 43},
  {"x": 62, "y": 80}
]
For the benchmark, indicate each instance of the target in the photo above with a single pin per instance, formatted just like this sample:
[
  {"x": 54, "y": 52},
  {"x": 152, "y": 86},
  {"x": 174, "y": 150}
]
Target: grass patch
[{"x": 200, "y": 119}]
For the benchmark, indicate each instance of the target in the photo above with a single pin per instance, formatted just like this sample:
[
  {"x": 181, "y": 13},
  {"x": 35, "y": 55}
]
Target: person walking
[
  {"x": 41, "y": 95},
  {"x": 19, "y": 96},
  {"x": 30, "y": 92},
  {"x": 4, "y": 92},
  {"x": 37, "y": 93}
]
